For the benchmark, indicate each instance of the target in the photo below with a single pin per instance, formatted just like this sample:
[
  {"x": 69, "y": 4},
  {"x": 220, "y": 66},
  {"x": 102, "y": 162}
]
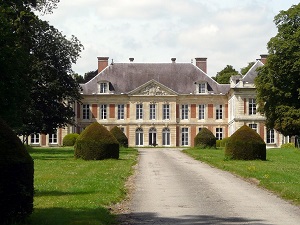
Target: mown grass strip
[
  {"x": 280, "y": 173},
  {"x": 77, "y": 192}
]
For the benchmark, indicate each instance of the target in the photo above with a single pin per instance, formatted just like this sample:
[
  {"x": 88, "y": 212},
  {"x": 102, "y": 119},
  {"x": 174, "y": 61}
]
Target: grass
[
  {"x": 280, "y": 173},
  {"x": 72, "y": 191}
]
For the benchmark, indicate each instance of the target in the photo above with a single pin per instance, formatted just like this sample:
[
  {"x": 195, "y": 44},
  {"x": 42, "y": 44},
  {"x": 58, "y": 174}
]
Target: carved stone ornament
[{"x": 152, "y": 89}]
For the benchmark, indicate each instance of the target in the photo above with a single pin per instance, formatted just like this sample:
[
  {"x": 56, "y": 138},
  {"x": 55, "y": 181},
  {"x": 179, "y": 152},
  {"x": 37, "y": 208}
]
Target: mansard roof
[
  {"x": 252, "y": 73},
  {"x": 178, "y": 77}
]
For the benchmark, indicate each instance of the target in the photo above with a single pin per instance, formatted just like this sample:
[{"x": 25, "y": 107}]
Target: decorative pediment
[{"x": 153, "y": 88}]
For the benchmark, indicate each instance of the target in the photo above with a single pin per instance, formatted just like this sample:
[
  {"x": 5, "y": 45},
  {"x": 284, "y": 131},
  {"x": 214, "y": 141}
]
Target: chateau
[{"x": 166, "y": 104}]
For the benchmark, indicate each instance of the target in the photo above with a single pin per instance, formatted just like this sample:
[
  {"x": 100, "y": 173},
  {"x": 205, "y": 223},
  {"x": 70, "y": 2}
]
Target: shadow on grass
[
  {"x": 153, "y": 218},
  {"x": 58, "y": 193},
  {"x": 64, "y": 216},
  {"x": 52, "y": 153}
]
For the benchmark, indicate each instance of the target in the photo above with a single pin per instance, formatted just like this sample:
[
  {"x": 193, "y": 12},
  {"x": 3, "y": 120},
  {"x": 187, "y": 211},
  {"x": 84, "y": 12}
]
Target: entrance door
[{"x": 152, "y": 137}]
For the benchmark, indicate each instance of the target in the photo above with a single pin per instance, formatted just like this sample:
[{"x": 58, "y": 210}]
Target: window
[
  {"x": 121, "y": 112},
  {"x": 122, "y": 129},
  {"x": 219, "y": 112},
  {"x": 152, "y": 112},
  {"x": 35, "y": 138},
  {"x": 184, "y": 112},
  {"x": 200, "y": 128},
  {"x": 253, "y": 126},
  {"x": 53, "y": 138},
  {"x": 201, "y": 112},
  {"x": 103, "y": 87},
  {"x": 139, "y": 111},
  {"x": 219, "y": 133},
  {"x": 202, "y": 88},
  {"x": 152, "y": 136},
  {"x": 166, "y": 137},
  {"x": 270, "y": 136},
  {"x": 166, "y": 111},
  {"x": 252, "y": 106},
  {"x": 184, "y": 136},
  {"x": 103, "y": 112},
  {"x": 139, "y": 137},
  {"x": 86, "y": 112}
]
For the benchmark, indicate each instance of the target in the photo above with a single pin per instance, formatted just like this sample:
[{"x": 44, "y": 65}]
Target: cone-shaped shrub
[
  {"x": 205, "y": 139},
  {"x": 120, "y": 136},
  {"x": 70, "y": 139},
  {"x": 96, "y": 143},
  {"x": 16, "y": 178},
  {"x": 245, "y": 144}
]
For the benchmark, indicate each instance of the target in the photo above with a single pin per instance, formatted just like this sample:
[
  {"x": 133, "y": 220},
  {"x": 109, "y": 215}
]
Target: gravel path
[{"x": 172, "y": 188}]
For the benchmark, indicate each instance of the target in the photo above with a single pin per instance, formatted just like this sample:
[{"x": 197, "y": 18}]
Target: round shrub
[
  {"x": 96, "y": 143},
  {"x": 70, "y": 139},
  {"x": 120, "y": 136},
  {"x": 16, "y": 178},
  {"x": 288, "y": 145},
  {"x": 245, "y": 144},
  {"x": 205, "y": 139},
  {"x": 224, "y": 141}
]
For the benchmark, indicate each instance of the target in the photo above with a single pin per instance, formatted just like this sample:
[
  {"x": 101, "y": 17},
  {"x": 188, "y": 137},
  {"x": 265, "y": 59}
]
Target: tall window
[
  {"x": 152, "y": 112},
  {"x": 201, "y": 112},
  {"x": 103, "y": 112},
  {"x": 219, "y": 133},
  {"x": 184, "y": 112},
  {"x": 121, "y": 112},
  {"x": 53, "y": 138},
  {"x": 139, "y": 111},
  {"x": 166, "y": 137},
  {"x": 219, "y": 112},
  {"x": 166, "y": 111},
  {"x": 103, "y": 87},
  {"x": 202, "y": 88},
  {"x": 139, "y": 137},
  {"x": 35, "y": 138},
  {"x": 152, "y": 136},
  {"x": 253, "y": 126},
  {"x": 252, "y": 106},
  {"x": 270, "y": 136},
  {"x": 86, "y": 112},
  {"x": 184, "y": 136}
]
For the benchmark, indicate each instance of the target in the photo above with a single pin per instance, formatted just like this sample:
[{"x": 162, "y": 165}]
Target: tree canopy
[
  {"x": 37, "y": 88},
  {"x": 223, "y": 77},
  {"x": 277, "y": 83},
  {"x": 244, "y": 70}
]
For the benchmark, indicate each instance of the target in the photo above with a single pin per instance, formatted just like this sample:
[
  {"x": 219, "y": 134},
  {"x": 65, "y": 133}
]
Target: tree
[
  {"x": 90, "y": 75},
  {"x": 223, "y": 77},
  {"x": 277, "y": 83},
  {"x": 244, "y": 70}
]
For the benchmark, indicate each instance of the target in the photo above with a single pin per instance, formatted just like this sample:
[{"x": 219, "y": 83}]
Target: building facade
[{"x": 166, "y": 104}]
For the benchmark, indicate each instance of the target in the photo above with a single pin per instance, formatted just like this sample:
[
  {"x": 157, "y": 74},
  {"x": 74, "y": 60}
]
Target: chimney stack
[
  {"x": 102, "y": 63},
  {"x": 201, "y": 63},
  {"x": 173, "y": 60},
  {"x": 131, "y": 59},
  {"x": 263, "y": 58}
]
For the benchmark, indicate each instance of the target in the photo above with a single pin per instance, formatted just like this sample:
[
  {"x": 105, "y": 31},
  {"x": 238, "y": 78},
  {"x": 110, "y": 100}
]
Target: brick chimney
[
  {"x": 263, "y": 58},
  {"x": 201, "y": 63},
  {"x": 102, "y": 63}
]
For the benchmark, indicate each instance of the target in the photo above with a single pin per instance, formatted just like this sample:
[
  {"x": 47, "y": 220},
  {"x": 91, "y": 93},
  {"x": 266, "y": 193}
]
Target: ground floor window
[
  {"x": 139, "y": 137},
  {"x": 184, "y": 136},
  {"x": 253, "y": 126},
  {"x": 152, "y": 136},
  {"x": 270, "y": 136},
  {"x": 53, "y": 138},
  {"x": 35, "y": 138},
  {"x": 219, "y": 133},
  {"x": 166, "y": 137}
]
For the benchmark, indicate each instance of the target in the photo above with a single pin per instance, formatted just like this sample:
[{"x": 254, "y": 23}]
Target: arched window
[
  {"x": 139, "y": 137},
  {"x": 152, "y": 136},
  {"x": 166, "y": 137}
]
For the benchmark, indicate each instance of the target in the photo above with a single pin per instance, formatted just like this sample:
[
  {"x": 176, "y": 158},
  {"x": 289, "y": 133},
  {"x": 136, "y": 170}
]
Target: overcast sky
[{"x": 227, "y": 32}]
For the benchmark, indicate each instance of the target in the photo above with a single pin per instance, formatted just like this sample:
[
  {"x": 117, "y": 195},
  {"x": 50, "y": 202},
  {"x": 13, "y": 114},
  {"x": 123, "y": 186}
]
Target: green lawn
[
  {"x": 77, "y": 192},
  {"x": 280, "y": 173}
]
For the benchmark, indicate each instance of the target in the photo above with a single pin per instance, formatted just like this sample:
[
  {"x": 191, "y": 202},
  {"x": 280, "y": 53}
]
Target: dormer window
[
  {"x": 103, "y": 87},
  {"x": 202, "y": 88}
]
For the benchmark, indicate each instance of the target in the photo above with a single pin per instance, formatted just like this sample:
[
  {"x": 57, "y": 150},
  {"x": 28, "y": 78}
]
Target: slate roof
[
  {"x": 252, "y": 73},
  {"x": 179, "y": 77}
]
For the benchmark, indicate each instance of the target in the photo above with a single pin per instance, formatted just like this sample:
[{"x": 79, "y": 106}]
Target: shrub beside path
[{"x": 172, "y": 188}]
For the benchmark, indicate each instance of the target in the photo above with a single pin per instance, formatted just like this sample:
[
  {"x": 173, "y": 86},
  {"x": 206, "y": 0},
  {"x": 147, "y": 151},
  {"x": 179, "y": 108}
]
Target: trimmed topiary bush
[
  {"x": 245, "y": 144},
  {"x": 120, "y": 136},
  {"x": 224, "y": 141},
  {"x": 70, "y": 139},
  {"x": 96, "y": 143},
  {"x": 205, "y": 139},
  {"x": 288, "y": 145},
  {"x": 16, "y": 178}
]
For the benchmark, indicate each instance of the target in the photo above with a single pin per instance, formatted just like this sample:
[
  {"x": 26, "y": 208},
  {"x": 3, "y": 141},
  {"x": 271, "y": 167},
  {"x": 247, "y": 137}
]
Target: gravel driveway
[{"x": 172, "y": 188}]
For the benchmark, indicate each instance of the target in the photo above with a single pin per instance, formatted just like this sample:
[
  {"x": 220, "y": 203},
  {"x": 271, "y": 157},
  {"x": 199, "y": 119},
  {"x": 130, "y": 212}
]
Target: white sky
[{"x": 227, "y": 32}]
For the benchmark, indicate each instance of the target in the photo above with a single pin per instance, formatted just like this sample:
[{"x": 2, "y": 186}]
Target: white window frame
[
  {"x": 253, "y": 126},
  {"x": 35, "y": 139},
  {"x": 103, "y": 87},
  {"x": 202, "y": 88},
  {"x": 270, "y": 137},
  {"x": 219, "y": 133},
  {"x": 139, "y": 137},
  {"x": 152, "y": 111},
  {"x": 139, "y": 111},
  {"x": 86, "y": 111},
  {"x": 219, "y": 112},
  {"x": 103, "y": 112},
  {"x": 121, "y": 111},
  {"x": 184, "y": 136},
  {"x": 166, "y": 111},
  {"x": 166, "y": 137},
  {"x": 201, "y": 112},
  {"x": 252, "y": 106},
  {"x": 52, "y": 138},
  {"x": 185, "y": 112}
]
